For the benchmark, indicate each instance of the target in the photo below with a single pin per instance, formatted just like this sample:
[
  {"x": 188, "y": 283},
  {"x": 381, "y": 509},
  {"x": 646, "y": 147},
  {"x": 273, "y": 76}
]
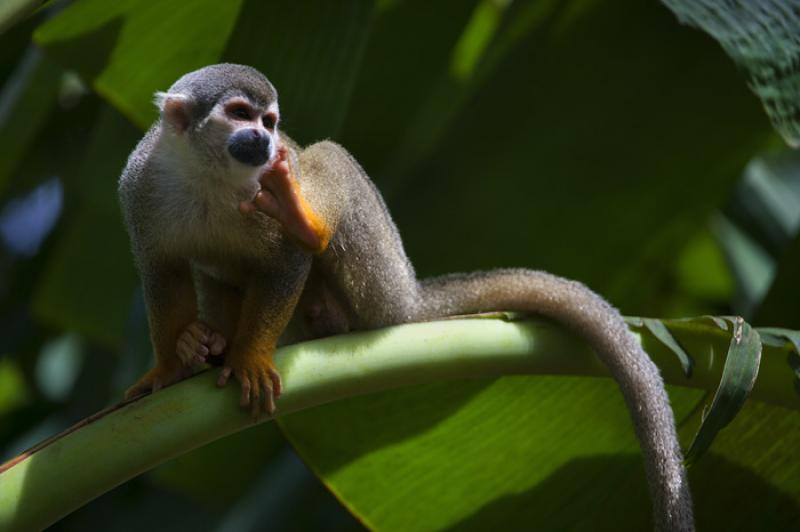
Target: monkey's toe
[
  {"x": 137, "y": 389},
  {"x": 224, "y": 376},
  {"x": 158, "y": 377},
  {"x": 260, "y": 383},
  {"x": 275, "y": 378},
  {"x": 263, "y": 390},
  {"x": 257, "y": 389}
]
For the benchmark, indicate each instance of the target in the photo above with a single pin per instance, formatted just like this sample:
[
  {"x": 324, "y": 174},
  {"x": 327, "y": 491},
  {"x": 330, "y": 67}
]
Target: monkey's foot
[
  {"x": 197, "y": 342},
  {"x": 159, "y": 377},
  {"x": 280, "y": 197},
  {"x": 260, "y": 380}
]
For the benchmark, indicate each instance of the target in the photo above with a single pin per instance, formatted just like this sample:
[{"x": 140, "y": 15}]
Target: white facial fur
[
  {"x": 205, "y": 148},
  {"x": 221, "y": 123}
]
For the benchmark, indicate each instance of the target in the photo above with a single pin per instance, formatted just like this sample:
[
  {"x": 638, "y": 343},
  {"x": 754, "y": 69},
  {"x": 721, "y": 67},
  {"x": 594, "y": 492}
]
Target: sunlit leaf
[
  {"x": 472, "y": 455},
  {"x": 748, "y": 479},
  {"x": 508, "y": 454},
  {"x": 128, "y": 49},
  {"x": 13, "y": 11}
]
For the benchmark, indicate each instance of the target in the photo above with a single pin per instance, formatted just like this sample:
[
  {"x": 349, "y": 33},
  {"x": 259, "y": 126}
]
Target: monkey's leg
[
  {"x": 218, "y": 312},
  {"x": 171, "y": 306},
  {"x": 266, "y": 309},
  {"x": 281, "y": 198},
  {"x": 321, "y": 313}
]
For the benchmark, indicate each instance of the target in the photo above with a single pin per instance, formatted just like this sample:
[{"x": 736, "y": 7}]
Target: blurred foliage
[{"x": 598, "y": 140}]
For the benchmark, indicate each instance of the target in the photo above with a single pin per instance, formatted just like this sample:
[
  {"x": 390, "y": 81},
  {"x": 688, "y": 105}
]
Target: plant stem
[{"x": 63, "y": 473}]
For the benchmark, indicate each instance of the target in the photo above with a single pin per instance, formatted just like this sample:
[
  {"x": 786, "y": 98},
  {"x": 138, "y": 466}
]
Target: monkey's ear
[{"x": 176, "y": 109}]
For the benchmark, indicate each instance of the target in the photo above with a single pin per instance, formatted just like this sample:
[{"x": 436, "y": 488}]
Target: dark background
[{"x": 601, "y": 141}]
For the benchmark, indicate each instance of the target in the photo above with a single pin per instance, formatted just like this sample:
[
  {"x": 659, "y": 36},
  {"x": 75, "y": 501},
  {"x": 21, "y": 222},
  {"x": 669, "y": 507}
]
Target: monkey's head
[{"x": 223, "y": 116}]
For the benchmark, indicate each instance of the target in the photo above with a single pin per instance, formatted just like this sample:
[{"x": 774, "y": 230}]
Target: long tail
[{"x": 602, "y": 326}]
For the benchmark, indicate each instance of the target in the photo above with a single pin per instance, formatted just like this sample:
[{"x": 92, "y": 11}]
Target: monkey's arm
[
  {"x": 282, "y": 197},
  {"x": 167, "y": 282},
  {"x": 269, "y": 300},
  {"x": 365, "y": 266},
  {"x": 171, "y": 307}
]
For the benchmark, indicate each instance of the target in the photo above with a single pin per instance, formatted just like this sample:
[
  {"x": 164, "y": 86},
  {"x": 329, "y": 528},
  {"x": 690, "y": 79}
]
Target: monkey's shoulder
[
  {"x": 138, "y": 162},
  {"x": 328, "y": 160}
]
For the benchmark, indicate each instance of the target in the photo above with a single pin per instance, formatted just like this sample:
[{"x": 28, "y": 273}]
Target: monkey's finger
[
  {"x": 266, "y": 202},
  {"x": 184, "y": 351},
  {"x": 197, "y": 346},
  {"x": 269, "y": 397},
  {"x": 136, "y": 390},
  {"x": 244, "y": 400},
  {"x": 224, "y": 375},
  {"x": 275, "y": 377},
  {"x": 280, "y": 168},
  {"x": 189, "y": 348},
  {"x": 200, "y": 331},
  {"x": 188, "y": 356},
  {"x": 255, "y": 400},
  {"x": 282, "y": 153},
  {"x": 281, "y": 199},
  {"x": 217, "y": 344}
]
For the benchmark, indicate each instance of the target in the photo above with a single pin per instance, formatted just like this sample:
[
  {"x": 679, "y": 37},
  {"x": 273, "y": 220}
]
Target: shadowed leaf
[{"x": 738, "y": 377}]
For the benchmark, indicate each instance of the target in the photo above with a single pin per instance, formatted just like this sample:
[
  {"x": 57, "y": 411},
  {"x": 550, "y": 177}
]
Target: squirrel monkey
[{"x": 234, "y": 227}]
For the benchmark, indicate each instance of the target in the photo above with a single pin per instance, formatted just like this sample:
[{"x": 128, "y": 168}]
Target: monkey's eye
[
  {"x": 269, "y": 121},
  {"x": 239, "y": 112}
]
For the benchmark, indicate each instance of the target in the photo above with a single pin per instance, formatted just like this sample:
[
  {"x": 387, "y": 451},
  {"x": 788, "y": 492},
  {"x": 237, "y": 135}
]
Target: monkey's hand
[
  {"x": 256, "y": 373},
  {"x": 193, "y": 347},
  {"x": 280, "y": 198},
  {"x": 197, "y": 342},
  {"x": 162, "y": 375}
]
